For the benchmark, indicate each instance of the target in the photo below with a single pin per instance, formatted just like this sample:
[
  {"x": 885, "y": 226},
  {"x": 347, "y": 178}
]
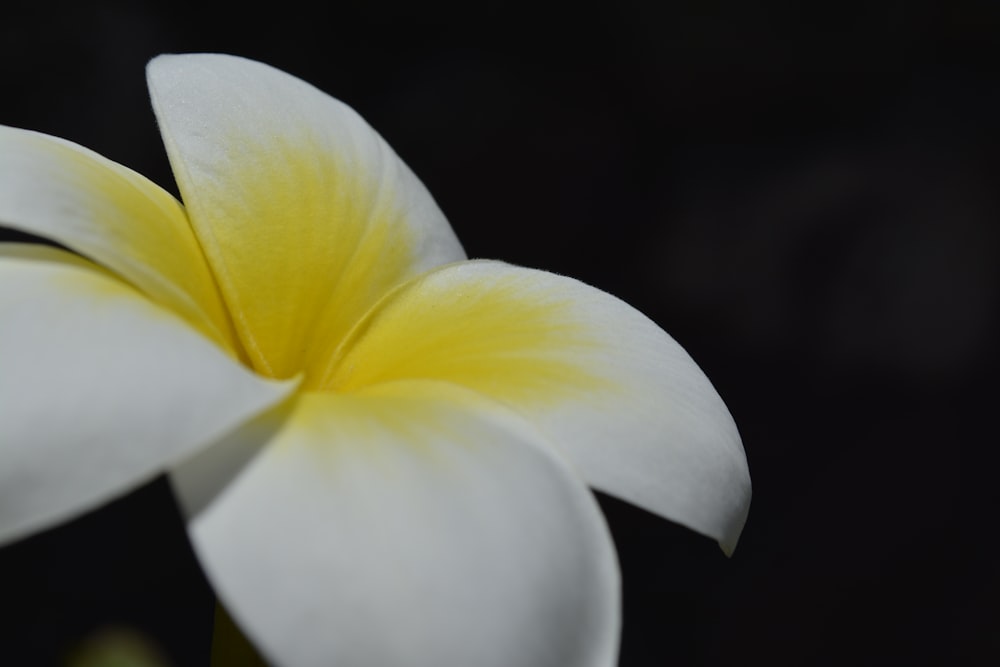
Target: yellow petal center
[{"x": 302, "y": 246}]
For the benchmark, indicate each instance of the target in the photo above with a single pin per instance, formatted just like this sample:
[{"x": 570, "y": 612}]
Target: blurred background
[{"x": 805, "y": 198}]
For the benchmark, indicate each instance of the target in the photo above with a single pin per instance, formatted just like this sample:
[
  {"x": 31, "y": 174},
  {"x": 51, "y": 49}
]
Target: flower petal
[
  {"x": 100, "y": 388},
  {"x": 620, "y": 396},
  {"x": 60, "y": 191},
  {"x": 306, "y": 215},
  {"x": 414, "y": 524}
]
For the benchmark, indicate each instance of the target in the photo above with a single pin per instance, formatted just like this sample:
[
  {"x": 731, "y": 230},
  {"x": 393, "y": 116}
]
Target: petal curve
[
  {"x": 620, "y": 397},
  {"x": 305, "y": 213},
  {"x": 100, "y": 389},
  {"x": 61, "y": 191},
  {"x": 417, "y": 525}
]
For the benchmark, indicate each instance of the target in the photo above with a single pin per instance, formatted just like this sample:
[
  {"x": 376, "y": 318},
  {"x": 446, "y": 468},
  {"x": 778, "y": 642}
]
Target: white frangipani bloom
[{"x": 382, "y": 449}]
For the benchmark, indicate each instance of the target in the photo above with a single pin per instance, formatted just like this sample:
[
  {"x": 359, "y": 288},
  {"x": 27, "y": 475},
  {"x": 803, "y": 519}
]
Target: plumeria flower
[{"x": 381, "y": 448}]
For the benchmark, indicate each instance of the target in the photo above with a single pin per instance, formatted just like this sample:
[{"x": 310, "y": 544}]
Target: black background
[{"x": 805, "y": 198}]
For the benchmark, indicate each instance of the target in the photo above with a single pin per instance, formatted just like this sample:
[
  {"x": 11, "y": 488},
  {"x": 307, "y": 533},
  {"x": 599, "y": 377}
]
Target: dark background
[{"x": 805, "y": 198}]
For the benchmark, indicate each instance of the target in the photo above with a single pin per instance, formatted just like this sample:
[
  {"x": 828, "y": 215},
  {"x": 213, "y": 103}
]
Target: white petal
[
  {"x": 618, "y": 395},
  {"x": 306, "y": 215},
  {"x": 63, "y": 192},
  {"x": 99, "y": 388},
  {"x": 413, "y": 525}
]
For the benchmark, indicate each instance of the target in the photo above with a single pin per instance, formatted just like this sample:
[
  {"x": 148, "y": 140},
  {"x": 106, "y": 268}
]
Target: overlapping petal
[
  {"x": 411, "y": 523},
  {"x": 613, "y": 390},
  {"x": 306, "y": 215},
  {"x": 58, "y": 190},
  {"x": 100, "y": 388}
]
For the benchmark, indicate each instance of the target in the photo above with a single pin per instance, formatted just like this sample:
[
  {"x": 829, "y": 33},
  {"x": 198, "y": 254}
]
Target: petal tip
[{"x": 731, "y": 537}]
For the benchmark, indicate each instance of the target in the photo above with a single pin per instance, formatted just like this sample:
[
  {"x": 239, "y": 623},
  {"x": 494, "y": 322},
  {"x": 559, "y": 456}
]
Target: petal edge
[
  {"x": 416, "y": 524},
  {"x": 79, "y": 345}
]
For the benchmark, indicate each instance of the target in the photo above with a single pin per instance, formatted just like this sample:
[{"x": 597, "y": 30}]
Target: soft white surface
[
  {"x": 100, "y": 389},
  {"x": 418, "y": 527}
]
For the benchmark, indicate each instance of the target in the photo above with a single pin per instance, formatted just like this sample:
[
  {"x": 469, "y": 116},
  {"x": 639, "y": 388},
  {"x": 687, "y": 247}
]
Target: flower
[{"x": 382, "y": 449}]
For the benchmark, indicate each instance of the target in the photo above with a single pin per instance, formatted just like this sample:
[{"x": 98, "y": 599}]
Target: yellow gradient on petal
[
  {"x": 173, "y": 252},
  {"x": 302, "y": 243},
  {"x": 125, "y": 222},
  {"x": 86, "y": 286},
  {"x": 482, "y": 325},
  {"x": 420, "y": 413},
  {"x": 348, "y": 421}
]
